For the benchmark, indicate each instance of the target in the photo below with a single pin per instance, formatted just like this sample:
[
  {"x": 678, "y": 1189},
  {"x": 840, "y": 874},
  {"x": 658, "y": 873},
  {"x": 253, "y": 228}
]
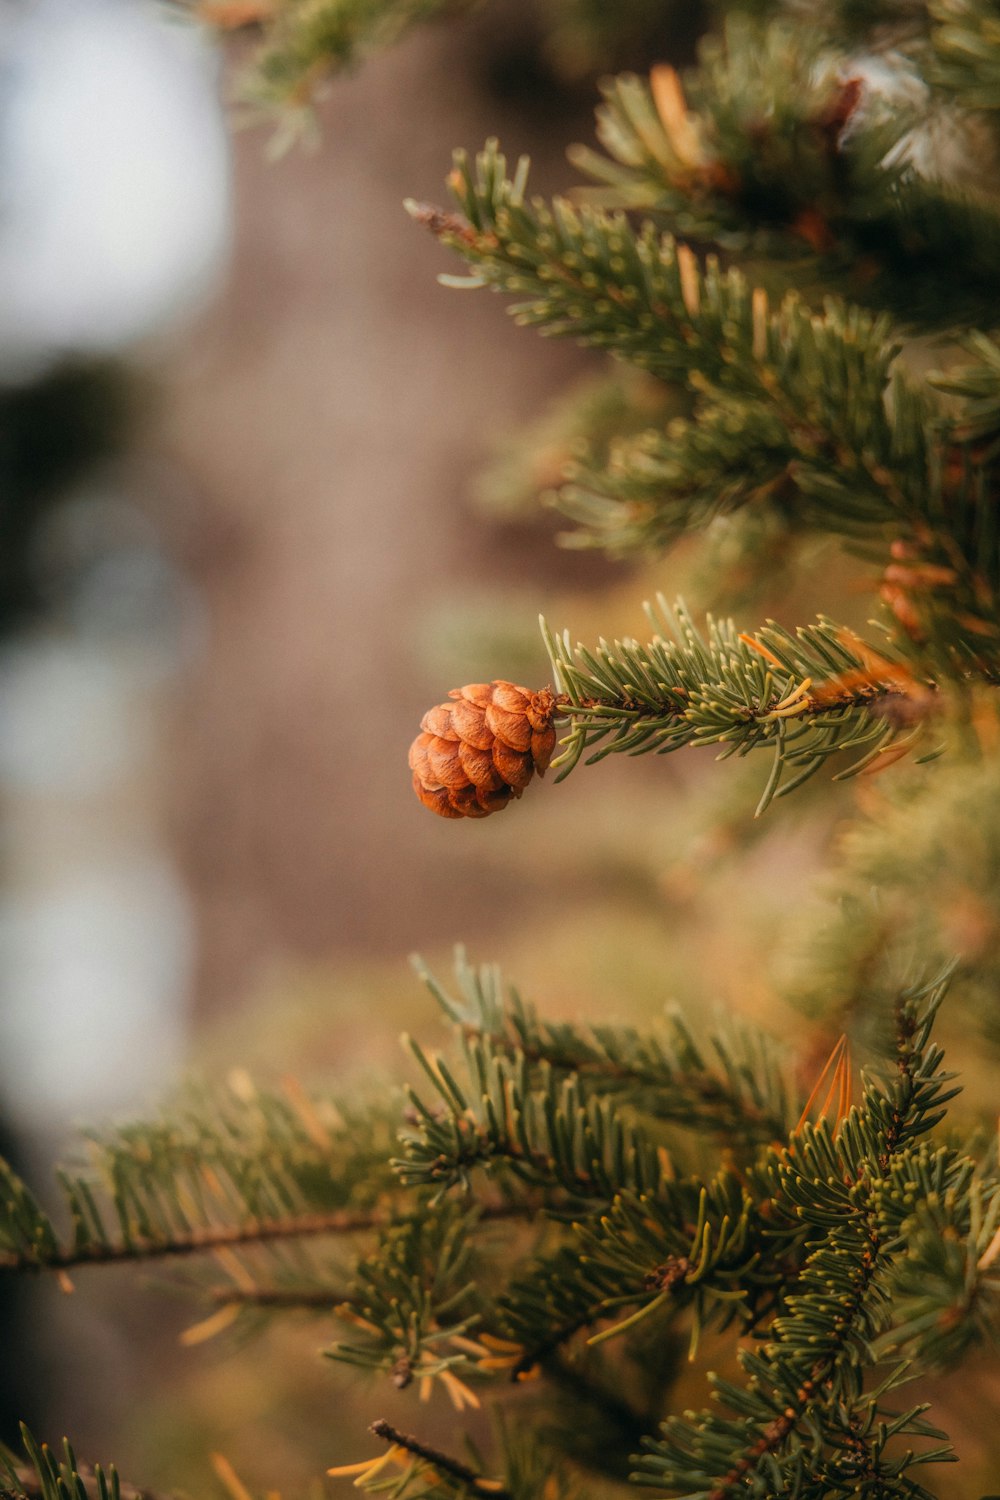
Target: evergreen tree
[{"x": 772, "y": 245}]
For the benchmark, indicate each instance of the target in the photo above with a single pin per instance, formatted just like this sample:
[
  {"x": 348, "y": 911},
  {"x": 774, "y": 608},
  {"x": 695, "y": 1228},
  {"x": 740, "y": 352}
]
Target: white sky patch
[{"x": 114, "y": 201}]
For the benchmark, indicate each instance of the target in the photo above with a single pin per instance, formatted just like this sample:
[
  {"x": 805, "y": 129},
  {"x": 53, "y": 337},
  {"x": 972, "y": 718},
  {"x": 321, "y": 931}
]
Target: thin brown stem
[
  {"x": 277, "y": 1296},
  {"x": 215, "y": 1237},
  {"x": 443, "y": 1462}
]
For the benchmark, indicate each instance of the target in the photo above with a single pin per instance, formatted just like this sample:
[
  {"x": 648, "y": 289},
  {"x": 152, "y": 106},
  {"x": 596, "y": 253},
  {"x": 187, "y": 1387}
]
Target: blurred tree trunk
[{"x": 328, "y": 414}]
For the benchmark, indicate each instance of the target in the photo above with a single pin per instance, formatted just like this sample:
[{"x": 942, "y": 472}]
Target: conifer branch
[
  {"x": 866, "y": 451},
  {"x": 197, "y": 1241},
  {"x": 48, "y": 1477},
  {"x": 236, "y": 1167},
  {"x": 860, "y": 1235},
  {"x": 805, "y": 697},
  {"x": 783, "y": 147},
  {"x": 667, "y": 1072},
  {"x": 704, "y": 1248},
  {"x": 203, "y": 1241},
  {"x": 304, "y": 43},
  {"x": 946, "y": 1284},
  {"x": 552, "y": 1136},
  {"x": 414, "y": 1297},
  {"x": 809, "y": 1376}
]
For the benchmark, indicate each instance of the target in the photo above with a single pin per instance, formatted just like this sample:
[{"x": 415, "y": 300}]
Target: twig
[
  {"x": 254, "y": 1231},
  {"x": 440, "y": 1461},
  {"x": 276, "y": 1296}
]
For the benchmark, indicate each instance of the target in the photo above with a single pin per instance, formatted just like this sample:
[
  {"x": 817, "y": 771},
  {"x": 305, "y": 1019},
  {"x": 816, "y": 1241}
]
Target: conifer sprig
[
  {"x": 413, "y": 1297},
  {"x": 786, "y": 148},
  {"x": 303, "y": 43},
  {"x": 413, "y": 1469},
  {"x": 547, "y": 1133},
  {"x": 732, "y": 1081},
  {"x": 690, "y": 1247},
  {"x": 804, "y": 697},
  {"x": 816, "y": 398},
  {"x": 946, "y": 1283},
  {"x": 50, "y": 1477},
  {"x": 238, "y": 1167},
  {"x": 805, "y": 1421}
]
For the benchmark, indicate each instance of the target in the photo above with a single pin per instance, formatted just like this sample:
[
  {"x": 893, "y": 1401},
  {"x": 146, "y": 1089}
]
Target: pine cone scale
[
  {"x": 478, "y": 752},
  {"x": 470, "y": 725},
  {"x": 445, "y": 763},
  {"x": 516, "y": 768},
  {"x": 418, "y": 759},
  {"x": 512, "y": 728},
  {"x": 543, "y": 742},
  {"x": 480, "y": 693},
  {"x": 437, "y": 800},
  {"x": 508, "y": 698},
  {"x": 437, "y": 721},
  {"x": 479, "y": 768}
]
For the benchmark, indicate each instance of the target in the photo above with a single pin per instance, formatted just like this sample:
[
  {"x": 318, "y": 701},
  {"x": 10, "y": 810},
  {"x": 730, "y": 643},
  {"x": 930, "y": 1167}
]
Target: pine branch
[
  {"x": 235, "y": 1168},
  {"x": 867, "y": 452},
  {"x": 786, "y": 150},
  {"x": 47, "y": 1477},
  {"x": 805, "y": 697},
  {"x": 665, "y": 1073},
  {"x": 653, "y": 487},
  {"x": 530, "y": 1470},
  {"x": 804, "y": 1411},
  {"x": 322, "y": 1299},
  {"x": 638, "y": 294},
  {"x": 946, "y": 1284},
  {"x": 710, "y": 1249},
  {"x": 414, "y": 1298},
  {"x": 549, "y": 1135},
  {"x": 197, "y": 1241},
  {"x": 304, "y": 43}
]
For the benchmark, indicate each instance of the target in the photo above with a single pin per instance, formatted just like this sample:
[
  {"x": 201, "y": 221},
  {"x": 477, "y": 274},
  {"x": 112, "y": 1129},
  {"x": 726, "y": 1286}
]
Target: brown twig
[
  {"x": 254, "y": 1231},
  {"x": 276, "y": 1296},
  {"x": 443, "y": 1462}
]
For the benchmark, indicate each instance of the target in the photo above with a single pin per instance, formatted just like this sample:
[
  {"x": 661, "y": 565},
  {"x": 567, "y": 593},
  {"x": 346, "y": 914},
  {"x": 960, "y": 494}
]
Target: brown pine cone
[{"x": 476, "y": 753}]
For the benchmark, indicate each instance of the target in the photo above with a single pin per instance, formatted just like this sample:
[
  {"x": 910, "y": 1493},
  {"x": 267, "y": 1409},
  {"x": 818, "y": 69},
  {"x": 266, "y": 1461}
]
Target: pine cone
[{"x": 476, "y": 753}]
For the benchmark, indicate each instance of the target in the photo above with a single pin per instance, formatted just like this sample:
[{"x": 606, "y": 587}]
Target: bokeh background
[{"x": 246, "y": 541}]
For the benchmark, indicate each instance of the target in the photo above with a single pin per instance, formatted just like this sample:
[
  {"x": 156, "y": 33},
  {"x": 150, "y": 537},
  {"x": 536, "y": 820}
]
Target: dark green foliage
[
  {"x": 830, "y": 1236},
  {"x": 791, "y": 150}
]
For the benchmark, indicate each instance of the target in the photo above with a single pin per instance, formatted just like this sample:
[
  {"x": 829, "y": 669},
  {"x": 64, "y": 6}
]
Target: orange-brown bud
[{"x": 476, "y": 753}]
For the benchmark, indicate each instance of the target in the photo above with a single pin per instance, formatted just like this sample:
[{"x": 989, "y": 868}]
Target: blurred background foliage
[{"x": 245, "y": 541}]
